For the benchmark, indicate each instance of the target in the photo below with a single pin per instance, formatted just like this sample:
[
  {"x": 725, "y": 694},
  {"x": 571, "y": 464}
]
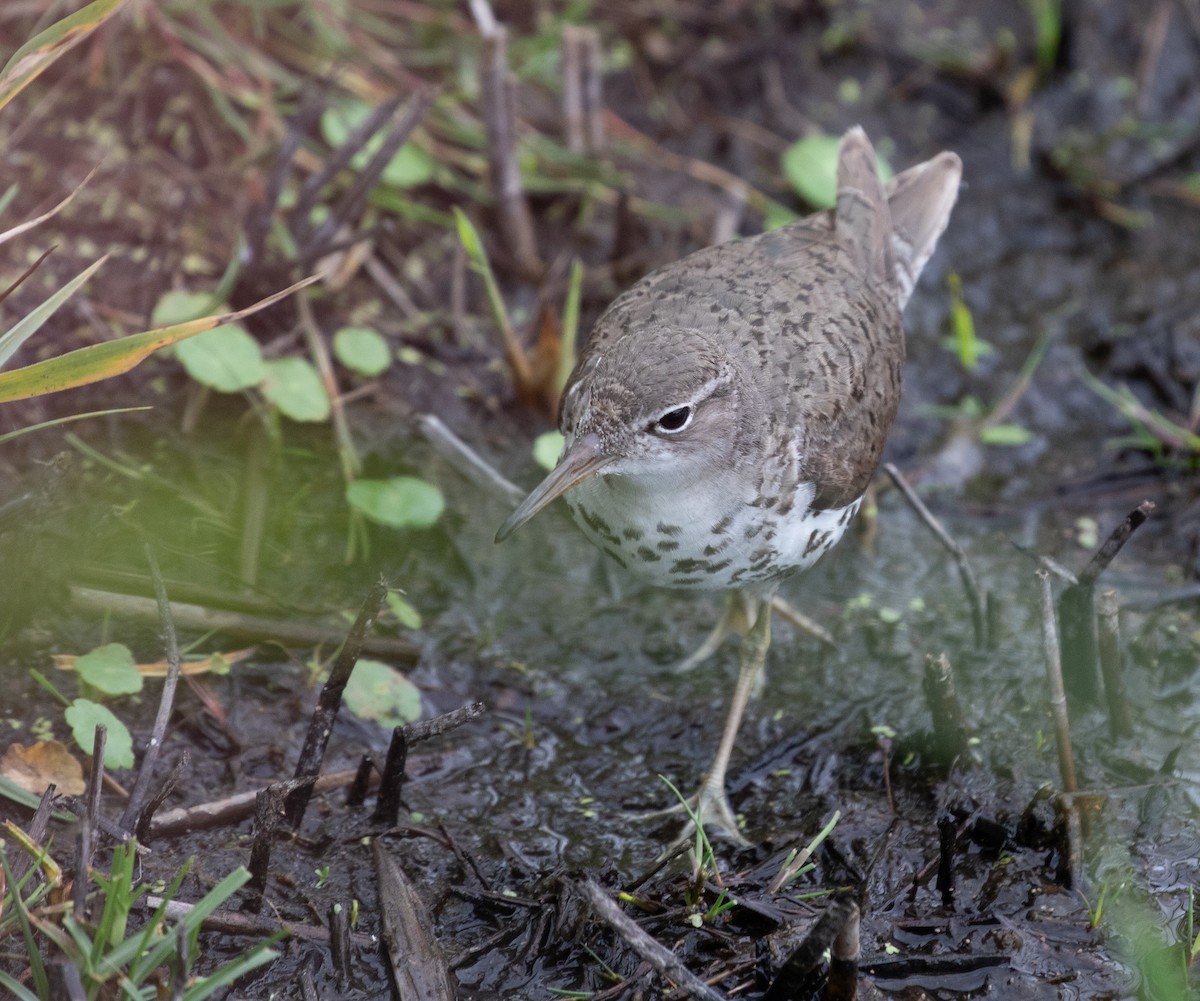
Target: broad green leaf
[
  {"x": 405, "y": 614},
  {"x": 110, "y": 358},
  {"x": 225, "y": 358},
  {"x": 29, "y": 324},
  {"x": 110, "y": 668},
  {"x": 401, "y": 502},
  {"x": 810, "y": 166},
  {"x": 362, "y": 350},
  {"x": 408, "y": 167},
  {"x": 83, "y": 716},
  {"x": 45, "y": 47},
  {"x": 379, "y": 692},
  {"x": 293, "y": 385},
  {"x": 547, "y": 448}
]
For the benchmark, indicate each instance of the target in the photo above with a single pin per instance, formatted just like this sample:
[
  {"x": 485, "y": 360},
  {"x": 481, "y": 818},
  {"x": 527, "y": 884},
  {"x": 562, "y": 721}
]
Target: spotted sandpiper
[{"x": 729, "y": 410}]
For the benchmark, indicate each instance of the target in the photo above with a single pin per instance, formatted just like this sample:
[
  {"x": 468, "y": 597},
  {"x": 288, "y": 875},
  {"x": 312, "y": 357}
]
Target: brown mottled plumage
[{"x": 730, "y": 409}]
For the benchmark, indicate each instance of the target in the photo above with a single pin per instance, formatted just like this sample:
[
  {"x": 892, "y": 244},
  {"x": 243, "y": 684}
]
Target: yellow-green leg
[{"x": 711, "y": 804}]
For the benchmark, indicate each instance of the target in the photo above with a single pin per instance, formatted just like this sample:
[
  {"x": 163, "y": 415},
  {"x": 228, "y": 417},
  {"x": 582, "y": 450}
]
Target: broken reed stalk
[
  {"x": 330, "y": 701},
  {"x": 143, "y": 831},
  {"x": 1058, "y": 695},
  {"x": 1115, "y": 541},
  {"x": 1108, "y": 623},
  {"x": 967, "y": 575},
  {"x": 951, "y": 735},
  {"x": 35, "y": 831},
  {"x": 792, "y": 980},
  {"x": 947, "y": 841},
  {"x": 337, "y": 917},
  {"x": 500, "y": 123},
  {"x": 350, "y": 205},
  {"x": 85, "y": 838},
  {"x": 1077, "y": 608},
  {"x": 1070, "y": 874},
  {"x": 270, "y": 807},
  {"x": 387, "y": 808},
  {"x": 307, "y": 196},
  {"x": 583, "y": 108},
  {"x": 572, "y": 84},
  {"x": 260, "y": 851},
  {"x": 228, "y": 922},
  {"x": 356, "y": 795},
  {"x": 842, "y": 982}
]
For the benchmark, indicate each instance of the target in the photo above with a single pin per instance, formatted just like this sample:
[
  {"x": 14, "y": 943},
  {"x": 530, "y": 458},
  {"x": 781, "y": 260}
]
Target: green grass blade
[
  {"x": 46, "y": 46},
  {"x": 260, "y": 955},
  {"x": 110, "y": 358},
  {"x": 37, "y": 968},
  {"x": 68, "y": 420},
  {"x": 19, "y": 991},
  {"x": 29, "y": 324}
]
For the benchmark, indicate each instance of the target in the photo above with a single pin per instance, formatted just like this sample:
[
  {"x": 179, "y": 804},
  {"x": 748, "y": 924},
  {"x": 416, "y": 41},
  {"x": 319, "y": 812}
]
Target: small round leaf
[
  {"x": 810, "y": 166},
  {"x": 110, "y": 669},
  {"x": 362, "y": 350},
  {"x": 400, "y": 502},
  {"x": 547, "y": 448},
  {"x": 293, "y": 385},
  {"x": 225, "y": 358},
  {"x": 83, "y": 716},
  {"x": 379, "y": 692},
  {"x": 180, "y": 305}
]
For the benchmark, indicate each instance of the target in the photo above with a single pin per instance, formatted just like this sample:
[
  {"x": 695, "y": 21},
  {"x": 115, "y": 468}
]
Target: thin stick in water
[
  {"x": 1058, "y": 695},
  {"x": 978, "y": 616}
]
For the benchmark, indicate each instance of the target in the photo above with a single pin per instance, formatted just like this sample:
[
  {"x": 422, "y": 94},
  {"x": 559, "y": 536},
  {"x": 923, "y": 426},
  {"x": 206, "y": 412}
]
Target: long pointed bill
[{"x": 582, "y": 461}]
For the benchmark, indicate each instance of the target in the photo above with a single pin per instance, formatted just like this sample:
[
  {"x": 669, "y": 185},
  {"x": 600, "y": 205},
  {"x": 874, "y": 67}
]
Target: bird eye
[{"x": 674, "y": 421}]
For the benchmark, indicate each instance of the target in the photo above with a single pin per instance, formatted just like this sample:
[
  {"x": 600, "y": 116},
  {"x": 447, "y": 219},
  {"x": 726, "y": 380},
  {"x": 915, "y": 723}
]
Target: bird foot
[{"x": 709, "y": 807}]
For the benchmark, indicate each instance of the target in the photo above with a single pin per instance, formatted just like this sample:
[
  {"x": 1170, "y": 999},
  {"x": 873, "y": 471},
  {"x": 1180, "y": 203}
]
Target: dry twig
[
  {"x": 662, "y": 959},
  {"x": 974, "y": 598},
  {"x": 500, "y": 122},
  {"x": 1058, "y": 695}
]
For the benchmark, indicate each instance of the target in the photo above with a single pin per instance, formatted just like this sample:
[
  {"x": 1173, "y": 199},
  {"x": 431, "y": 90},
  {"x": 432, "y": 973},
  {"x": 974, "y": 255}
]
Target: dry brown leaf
[
  {"x": 33, "y": 768},
  {"x": 217, "y": 663}
]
